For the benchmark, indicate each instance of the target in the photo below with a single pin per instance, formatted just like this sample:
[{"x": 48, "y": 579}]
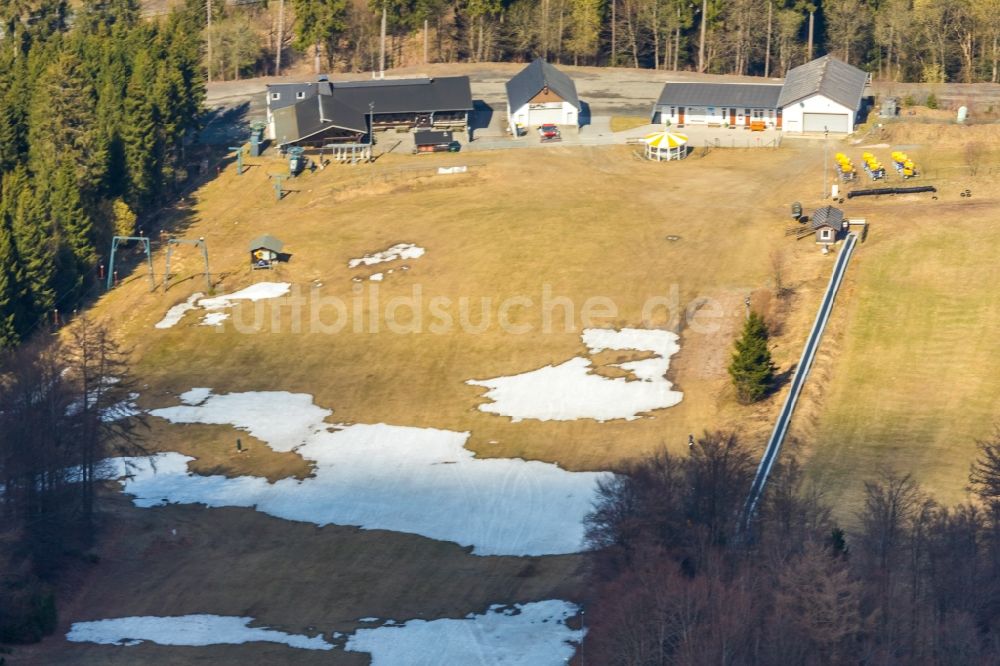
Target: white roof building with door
[{"x": 539, "y": 95}]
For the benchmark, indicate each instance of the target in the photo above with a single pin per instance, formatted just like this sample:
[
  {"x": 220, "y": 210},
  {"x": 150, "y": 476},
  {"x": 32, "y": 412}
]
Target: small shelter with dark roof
[
  {"x": 540, "y": 94},
  {"x": 824, "y": 95},
  {"x": 726, "y": 104},
  {"x": 264, "y": 251},
  {"x": 828, "y": 223}
]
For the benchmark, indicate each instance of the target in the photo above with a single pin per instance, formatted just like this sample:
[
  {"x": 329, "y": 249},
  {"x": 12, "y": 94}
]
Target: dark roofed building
[
  {"x": 280, "y": 95},
  {"x": 338, "y": 112},
  {"x": 442, "y": 102},
  {"x": 824, "y": 95},
  {"x": 828, "y": 223},
  {"x": 318, "y": 121},
  {"x": 732, "y": 104},
  {"x": 540, "y": 94}
]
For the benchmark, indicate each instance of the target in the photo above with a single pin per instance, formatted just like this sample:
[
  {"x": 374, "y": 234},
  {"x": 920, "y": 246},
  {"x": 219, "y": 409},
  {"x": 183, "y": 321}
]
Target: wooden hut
[
  {"x": 828, "y": 223},
  {"x": 264, "y": 251}
]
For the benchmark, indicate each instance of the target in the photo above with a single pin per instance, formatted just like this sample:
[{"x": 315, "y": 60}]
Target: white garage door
[
  {"x": 544, "y": 116},
  {"x": 816, "y": 122}
]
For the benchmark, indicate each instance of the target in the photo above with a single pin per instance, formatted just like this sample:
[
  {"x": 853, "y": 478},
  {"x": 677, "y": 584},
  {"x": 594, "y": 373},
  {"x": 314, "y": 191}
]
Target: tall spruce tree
[
  {"x": 751, "y": 368},
  {"x": 139, "y": 136},
  {"x": 33, "y": 241},
  {"x": 10, "y": 291},
  {"x": 63, "y": 124}
]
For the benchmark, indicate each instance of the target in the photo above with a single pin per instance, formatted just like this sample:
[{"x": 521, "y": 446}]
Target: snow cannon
[{"x": 296, "y": 160}]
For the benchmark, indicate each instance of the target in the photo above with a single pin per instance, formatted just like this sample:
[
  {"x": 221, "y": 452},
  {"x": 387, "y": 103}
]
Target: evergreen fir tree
[
  {"x": 73, "y": 223},
  {"x": 139, "y": 136},
  {"x": 33, "y": 242},
  {"x": 13, "y": 111},
  {"x": 10, "y": 301},
  {"x": 63, "y": 127},
  {"x": 751, "y": 368}
]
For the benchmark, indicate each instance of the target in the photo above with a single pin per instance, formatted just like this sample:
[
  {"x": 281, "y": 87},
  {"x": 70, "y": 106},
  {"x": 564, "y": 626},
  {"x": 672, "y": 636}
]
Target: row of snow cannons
[
  {"x": 845, "y": 167},
  {"x": 904, "y": 165},
  {"x": 873, "y": 167}
]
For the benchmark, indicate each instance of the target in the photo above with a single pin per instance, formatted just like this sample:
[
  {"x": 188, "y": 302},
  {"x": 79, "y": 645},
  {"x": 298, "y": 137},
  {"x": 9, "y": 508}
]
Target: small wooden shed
[
  {"x": 264, "y": 251},
  {"x": 828, "y": 223}
]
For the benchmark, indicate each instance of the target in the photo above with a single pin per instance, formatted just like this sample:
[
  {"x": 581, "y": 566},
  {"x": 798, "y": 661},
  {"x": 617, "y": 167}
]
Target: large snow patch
[
  {"x": 377, "y": 476},
  {"x": 214, "y": 316},
  {"x": 533, "y": 634},
  {"x": 186, "y": 630},
  {"x": 571, "y": 391}
]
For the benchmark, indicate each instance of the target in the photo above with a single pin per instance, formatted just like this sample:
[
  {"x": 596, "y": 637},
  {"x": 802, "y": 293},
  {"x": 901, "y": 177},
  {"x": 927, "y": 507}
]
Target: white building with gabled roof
[
  {"x": 539, "y": 95},
  {"x": 822, "y": 96}
]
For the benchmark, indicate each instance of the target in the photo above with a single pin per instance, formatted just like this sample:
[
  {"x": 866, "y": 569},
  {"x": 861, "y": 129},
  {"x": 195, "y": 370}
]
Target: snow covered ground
[
  {"x": 176, "y": 313},
  {"x": 571, "y": 390},
  {"x": 533, "y": 634},
  {"x": 377, "y": 476},
  {"x": 398, "y": 251},
  {"x": 186, "y": 630},
  {"x": 255, "y": 292}
]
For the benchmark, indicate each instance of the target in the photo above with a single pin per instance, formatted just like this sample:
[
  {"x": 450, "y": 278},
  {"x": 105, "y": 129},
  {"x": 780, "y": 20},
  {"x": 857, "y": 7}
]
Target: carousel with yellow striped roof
[{"x": 665, "y": 145}]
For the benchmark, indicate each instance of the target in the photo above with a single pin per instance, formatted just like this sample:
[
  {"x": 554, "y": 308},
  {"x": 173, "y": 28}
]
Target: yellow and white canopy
[
  {"x": 665, "y": 140},
  {"x": 665, "y": 146}
]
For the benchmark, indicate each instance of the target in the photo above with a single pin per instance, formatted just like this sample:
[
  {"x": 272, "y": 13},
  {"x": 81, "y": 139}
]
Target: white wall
[
  {"x": 700, "y": 115},
  {"x": 791, "y": 117},
  {"x": 566, "y": 114}
]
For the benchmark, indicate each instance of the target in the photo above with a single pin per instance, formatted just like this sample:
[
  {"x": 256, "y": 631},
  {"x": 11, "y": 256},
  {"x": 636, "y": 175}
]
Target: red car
[{"x": 549, "y": 133}]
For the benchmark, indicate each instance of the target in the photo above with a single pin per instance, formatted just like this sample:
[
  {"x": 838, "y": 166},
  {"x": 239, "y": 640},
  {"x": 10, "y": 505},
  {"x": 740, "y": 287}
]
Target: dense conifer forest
[{"x": 95, "y": 110}]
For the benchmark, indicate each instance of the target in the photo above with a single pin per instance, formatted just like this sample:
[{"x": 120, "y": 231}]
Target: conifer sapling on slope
[{"x": 751, "y": 368}]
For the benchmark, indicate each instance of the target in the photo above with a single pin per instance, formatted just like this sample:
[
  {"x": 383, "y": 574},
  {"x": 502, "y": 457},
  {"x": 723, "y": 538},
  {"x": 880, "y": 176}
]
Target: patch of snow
[
  {"x": 571, "y": 391},
  {"x": 255, "y": 292},
  {"x": 398, "y": 251},
  {"x": 284, "y": 420},
  {"x": 376, "y": 277},
  {"x": 186, "y": 630},
  {"x": 378, "y": 476},
  {"x": 122, "y": 410},
  {"x": 214, "y": 318},
  {"x": 195, "y": 396},
  {"x": 533, "y": 634},
  {"x": 368, "y": 619},
  {"x": 176, "y": 313}
]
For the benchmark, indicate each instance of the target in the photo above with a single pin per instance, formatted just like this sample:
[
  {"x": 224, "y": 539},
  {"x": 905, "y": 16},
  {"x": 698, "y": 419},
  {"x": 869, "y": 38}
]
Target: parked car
[{"x": 549, "y": 133}]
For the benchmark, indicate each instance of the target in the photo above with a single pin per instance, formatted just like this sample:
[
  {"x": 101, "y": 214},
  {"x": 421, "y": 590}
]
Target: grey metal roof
[
  {"x": 315, "y": 115},
  {"x": 534, "y": 78},
  {"x": 827, "y": 216},
  {"x": 289, "y": 94},
  {"x": 267, "y": 242},
  {"x": 443, "y": 93},
  {"x": 742, "y": 95},
  {"x": 828, "y": 76}
]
